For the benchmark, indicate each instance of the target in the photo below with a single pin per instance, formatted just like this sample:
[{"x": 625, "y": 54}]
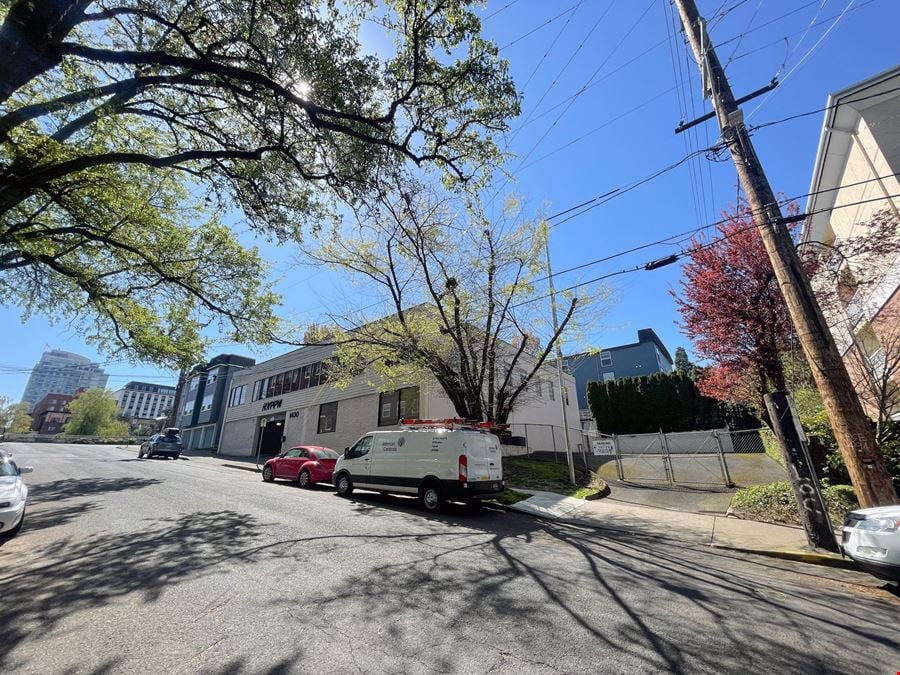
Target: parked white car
[
  {"x": 872, "y": 538},
  {"x": 436, "y": 464},
  {"x": 13, "y": 495}
]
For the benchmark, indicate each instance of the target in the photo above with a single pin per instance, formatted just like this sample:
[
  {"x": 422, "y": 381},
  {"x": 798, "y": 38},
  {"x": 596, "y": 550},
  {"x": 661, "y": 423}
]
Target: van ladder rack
[{"x": 453, "y": 423}]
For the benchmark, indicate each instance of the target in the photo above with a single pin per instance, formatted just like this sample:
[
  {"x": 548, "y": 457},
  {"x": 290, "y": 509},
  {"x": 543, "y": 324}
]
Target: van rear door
[{"x": 483, "y": 455}]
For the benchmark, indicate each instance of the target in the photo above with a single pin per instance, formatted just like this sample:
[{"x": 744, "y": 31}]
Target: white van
[{"x": 436, "y": 464}]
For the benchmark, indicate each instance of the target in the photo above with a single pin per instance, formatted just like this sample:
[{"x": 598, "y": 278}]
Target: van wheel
[
  {"x": 344, "y": 485},
  {"x": 431, "y": 496}
]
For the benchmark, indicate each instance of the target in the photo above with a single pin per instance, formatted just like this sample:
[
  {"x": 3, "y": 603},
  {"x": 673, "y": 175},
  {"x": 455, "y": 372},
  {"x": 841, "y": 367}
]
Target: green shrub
[{"x": 775, "y": 503}]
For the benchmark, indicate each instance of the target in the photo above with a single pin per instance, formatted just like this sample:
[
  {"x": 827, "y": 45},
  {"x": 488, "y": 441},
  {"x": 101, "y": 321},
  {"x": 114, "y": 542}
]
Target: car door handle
[{"x": 367, "y": 459}]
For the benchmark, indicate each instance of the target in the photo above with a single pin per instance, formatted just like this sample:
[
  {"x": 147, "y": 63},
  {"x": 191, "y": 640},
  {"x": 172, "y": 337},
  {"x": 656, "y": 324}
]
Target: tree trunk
[{"x": 30, "y": 38}]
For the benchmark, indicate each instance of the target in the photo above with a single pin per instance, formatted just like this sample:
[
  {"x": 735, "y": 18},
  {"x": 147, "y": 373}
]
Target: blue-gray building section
[
  {"x": 205, "y": 398},
  {"x": 646, "y": 356}
]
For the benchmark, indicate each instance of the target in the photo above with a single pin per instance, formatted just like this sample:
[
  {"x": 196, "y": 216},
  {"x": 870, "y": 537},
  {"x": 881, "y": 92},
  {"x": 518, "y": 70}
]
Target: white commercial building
[
  {"x": 285, "y": 401},
  {"x": 61, "y": 372},
  {"x": 144, "y": 402}
]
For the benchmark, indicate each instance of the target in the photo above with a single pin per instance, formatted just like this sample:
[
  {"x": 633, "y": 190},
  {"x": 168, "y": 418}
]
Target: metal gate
[{"x": 682, "y": 458}]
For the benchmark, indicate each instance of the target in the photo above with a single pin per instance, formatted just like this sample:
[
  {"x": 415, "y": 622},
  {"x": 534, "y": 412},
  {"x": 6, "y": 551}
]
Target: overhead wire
[
  {"x": 681, "y": 236},
  {"x": 806, "y": 56},
  {"x": 589, "y": 204},
  {"x": 495, "y": 13},
  {"x": 714, "y": 242},
  {"x": 543, "y": 25},
  {"x": 678, "y": 76},
  {"x": 790, "y": 35}
]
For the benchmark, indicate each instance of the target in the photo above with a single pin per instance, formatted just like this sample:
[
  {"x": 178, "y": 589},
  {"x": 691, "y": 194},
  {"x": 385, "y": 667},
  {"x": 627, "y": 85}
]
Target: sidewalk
[{"x": 747, "y": 536}]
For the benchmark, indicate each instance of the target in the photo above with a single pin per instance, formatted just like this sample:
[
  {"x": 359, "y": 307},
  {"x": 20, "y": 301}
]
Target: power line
[
  {"x": 647, "y": 265},
  {"x": 546, "y": 23},
  {"x": 546, "y": 53},
  {"x": 495, "y": 13},
  {"x": 790, "y": 35},
  {"x": 821, "y": 110},
  {"x": 688, "y": 233},
  {"x": 803, "y": 59},
  {"x": 590, "y": 79},
  {"x": 618, "y": 191}
]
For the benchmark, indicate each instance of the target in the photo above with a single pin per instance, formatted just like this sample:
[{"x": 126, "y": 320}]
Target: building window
[
  {"x": 605, "y": 359},
  {"x": 394, "y": 406},
  {"x": 207, "y": 403},
  {"x": 552, "y": 391},
  {"x": 328, "y": 417},
  {"x": 609, "y": 376},
  {"x": 188, "y": 407},
  {"x": 195, "y": 381},
  {"x": 238, "y": 396},
  {"x": 212, "y": 376}
]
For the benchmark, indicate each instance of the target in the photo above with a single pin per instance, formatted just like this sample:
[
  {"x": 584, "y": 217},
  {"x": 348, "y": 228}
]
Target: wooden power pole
[{"x": 852, "y": 429}]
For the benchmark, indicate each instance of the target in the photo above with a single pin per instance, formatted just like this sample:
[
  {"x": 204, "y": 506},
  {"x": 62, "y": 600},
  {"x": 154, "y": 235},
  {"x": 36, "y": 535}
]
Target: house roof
[
  {"x": 844, "y": 109},
  {"x": 644, "y": 335}
]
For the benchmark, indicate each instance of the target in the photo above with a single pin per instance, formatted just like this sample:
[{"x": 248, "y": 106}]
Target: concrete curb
[{"x": 808, "y": 557}]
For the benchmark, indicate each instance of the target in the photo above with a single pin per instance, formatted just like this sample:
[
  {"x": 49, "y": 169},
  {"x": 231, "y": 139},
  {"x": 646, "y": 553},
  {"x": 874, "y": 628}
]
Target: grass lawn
[{"x": 540, "y": 475}]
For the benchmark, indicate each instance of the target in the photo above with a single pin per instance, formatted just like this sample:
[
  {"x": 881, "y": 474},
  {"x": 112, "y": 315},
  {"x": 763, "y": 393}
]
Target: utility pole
[
  {"x": 559, "y": 373},
  {"x": 852, "y": 429}
]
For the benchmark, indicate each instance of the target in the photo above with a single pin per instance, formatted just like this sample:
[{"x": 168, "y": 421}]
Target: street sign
[{"x": 603, "y": 446}]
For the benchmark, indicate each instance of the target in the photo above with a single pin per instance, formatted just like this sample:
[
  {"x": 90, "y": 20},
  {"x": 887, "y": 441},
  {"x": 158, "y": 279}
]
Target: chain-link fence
[
  {"x": 694, "y": 458},
  {"x": 546, "y": 441}
]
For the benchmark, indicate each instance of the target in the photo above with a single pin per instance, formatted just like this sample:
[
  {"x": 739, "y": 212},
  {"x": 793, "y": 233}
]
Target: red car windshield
[{"x": 325, "y": 454}]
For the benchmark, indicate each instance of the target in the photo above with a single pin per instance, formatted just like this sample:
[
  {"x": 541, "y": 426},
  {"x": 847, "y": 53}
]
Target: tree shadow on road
[
  {"x": 544, "y": 595},
  {"x": 59, "y": 490},
  {"x": 654, "y": 602},
  {"x": 77, "y": 574}
]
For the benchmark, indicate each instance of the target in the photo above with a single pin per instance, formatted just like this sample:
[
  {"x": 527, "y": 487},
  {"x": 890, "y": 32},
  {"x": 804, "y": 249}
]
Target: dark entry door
[{"x": 271, "y": 438}]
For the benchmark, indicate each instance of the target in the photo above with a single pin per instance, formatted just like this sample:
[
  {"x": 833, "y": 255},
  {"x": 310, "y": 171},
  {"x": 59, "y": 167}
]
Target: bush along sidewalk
[
  {"x": 775, "y": 503},
  {"x": 549, "y": 476}
]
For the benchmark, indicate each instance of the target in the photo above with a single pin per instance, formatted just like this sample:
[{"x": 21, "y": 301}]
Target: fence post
[
  {"x": 725, "y": 475},
  {"x": 553, "y": 436},
  {"x": 667, "y": 460},
  {"x": 618, "y": 457}
]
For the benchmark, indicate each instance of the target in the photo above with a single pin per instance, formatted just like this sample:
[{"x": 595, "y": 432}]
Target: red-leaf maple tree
[{"x": 733, "y": 312}]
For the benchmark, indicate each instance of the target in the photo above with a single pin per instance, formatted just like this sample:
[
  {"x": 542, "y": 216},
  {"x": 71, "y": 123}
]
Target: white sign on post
[{"x": 603, "y": 446}]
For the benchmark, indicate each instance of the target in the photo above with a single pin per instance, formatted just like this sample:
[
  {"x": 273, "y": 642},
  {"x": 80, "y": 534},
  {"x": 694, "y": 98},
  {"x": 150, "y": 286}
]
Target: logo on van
[{"x": 401, "y": 441}]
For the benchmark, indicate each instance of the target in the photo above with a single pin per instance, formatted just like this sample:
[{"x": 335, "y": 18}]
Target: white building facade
[
  {"x": 61, "y": 372},
  {"x": 285, "y": 401},
  {"x": 144, "y": 402}
]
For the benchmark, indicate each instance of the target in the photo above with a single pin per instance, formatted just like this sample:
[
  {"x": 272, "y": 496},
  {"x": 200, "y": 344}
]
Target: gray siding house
[
  {"x": 646, "y": 356},
  {"x": 205, "y": 399}
]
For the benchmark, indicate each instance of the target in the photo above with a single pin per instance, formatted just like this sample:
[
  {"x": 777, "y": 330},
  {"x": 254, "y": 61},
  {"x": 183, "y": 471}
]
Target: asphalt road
[{"x": 164, "y": 566}]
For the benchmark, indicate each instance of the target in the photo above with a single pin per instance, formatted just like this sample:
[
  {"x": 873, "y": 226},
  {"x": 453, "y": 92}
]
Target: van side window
[{"x": 362, "y": 447}]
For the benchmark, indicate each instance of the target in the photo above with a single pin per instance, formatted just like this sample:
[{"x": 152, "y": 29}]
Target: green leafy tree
[
  {"x": 95, "y": 412},
  {"x": 683, "y": 364},
  {"x": 464, "y": 300},
  {"x": 127, "y": 127},
  {"x": 14, "y": 417}
]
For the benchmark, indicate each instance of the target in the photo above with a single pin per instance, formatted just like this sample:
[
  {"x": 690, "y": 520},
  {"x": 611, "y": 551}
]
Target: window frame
[
  {"x": 324, "y": 416},
  {"x": 606, "y": 359}
]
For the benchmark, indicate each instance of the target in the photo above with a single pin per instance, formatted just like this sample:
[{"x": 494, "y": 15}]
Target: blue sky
[{"x": 602, "y": 95}]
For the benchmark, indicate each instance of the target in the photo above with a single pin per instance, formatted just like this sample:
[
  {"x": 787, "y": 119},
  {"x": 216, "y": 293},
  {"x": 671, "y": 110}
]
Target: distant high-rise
[{"x": 60, "y": 372}]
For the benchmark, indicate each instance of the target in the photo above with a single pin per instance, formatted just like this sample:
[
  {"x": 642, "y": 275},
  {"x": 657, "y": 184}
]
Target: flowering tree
[{"x": 733, "y": 312}]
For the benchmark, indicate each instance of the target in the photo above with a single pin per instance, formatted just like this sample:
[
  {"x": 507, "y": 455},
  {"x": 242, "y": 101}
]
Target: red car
[{"x": 306, "y": 464}]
